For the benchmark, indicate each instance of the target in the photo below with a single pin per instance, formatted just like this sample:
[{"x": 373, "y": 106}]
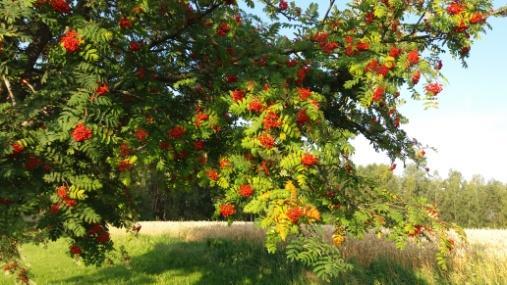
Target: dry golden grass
[
  {"x": 491, "y": 241},
  {"x": 199, "y": 230},
  {"x": 485, "y": 242},
  {"x": 371, "y": 248}
]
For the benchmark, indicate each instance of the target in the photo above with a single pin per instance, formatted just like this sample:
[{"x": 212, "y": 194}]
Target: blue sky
[{"x": 469, "y": 128}]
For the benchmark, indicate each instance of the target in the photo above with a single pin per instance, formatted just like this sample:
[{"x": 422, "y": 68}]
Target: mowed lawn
[{"x": 221, "y": 255}]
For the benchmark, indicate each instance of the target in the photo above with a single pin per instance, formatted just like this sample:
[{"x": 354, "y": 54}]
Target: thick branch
[
  {"x": 41, "y": 38},
  {"x": 84, "y": 9},
  {"x": 173, "y": 78},
  {"x": 182, "y": 29}
]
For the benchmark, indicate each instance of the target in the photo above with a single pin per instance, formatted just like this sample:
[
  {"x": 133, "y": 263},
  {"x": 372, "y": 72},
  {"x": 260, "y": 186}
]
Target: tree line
[{"x": 470, "y": 203}]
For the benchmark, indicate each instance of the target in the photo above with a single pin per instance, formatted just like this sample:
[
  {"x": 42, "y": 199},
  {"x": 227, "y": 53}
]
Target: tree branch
[
  {"x": 9, "y": 90},
  {"x": 25, "y": 82},
  {"x": 500, "y": 12},
  {"x": 287, "y": 16},
  {"x": 331, "y": 4},
  {"x": 41, "y": 38},
  {"x": 182, "y": 29},
  {"x": 83, "y": 9}
]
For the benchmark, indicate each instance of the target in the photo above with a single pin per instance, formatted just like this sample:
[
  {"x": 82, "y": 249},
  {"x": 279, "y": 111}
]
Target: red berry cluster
[
  {"x": 455, "y": 8},
  {"x": 141, "y": 134},
  {"x": 199, "y": 145},
  {"x": 255, "y": 106},
  {"x": 124, "y": 165},
  {"x": 304, "y": 93},
  {"x": 246, "y": 190},
  {"x": 433, "y": 88},
  {"x": 309, "y": 159},
  {"x": 63, "y": 193},
  {"x": 375, "y": 66},
  {"x": 271, "y": 120},
  {"x": 177, "y": 132},
  {"x": 70, "y": 41},
  {"x": 81, "y": 133},
  {"x": 99, "y": 232},
  {"x": 125, "y": 23},
  {"x": 135, "y": 46},
  {"x": 223, "y": 29},
  {"x": 32, "y": 162},
  {"x": 103, "y": 89},
  {"x": 294, "y": 214},
  {"x": 416, "y": 76},
  {"x": 413, "y": 57},
  {"x": 227, "y": 210},
  {"x": 60, "y": 6},
  {"x": 302, "y": 117},
  {"x": 200, "y": 117},
  {"x": 283, "y": 5},
  {"x": 237, "y": 95},
  {"x": 17, "y": 148},
  {"x": 326, "y": 46},
  {"x": 378, "y": 94},
  {"x": 213, "y": 174},
  {"x": 75, "y": 250},
  {"x": 266, "y": 140}
]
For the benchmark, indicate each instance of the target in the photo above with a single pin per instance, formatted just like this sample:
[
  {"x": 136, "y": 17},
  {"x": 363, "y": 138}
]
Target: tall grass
[{"x": 204, "y": 253}]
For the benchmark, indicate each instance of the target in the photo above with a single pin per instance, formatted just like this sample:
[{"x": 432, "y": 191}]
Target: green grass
[
  {"x": 159, "y": 260},
  {"x": 164, "y": 260}
]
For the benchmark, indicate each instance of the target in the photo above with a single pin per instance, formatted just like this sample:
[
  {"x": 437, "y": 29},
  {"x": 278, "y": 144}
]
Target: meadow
[{"x": 209, "y": 253}]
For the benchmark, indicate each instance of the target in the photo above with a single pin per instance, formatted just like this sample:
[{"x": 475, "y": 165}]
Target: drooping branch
[{"x": 500, "y": 12}]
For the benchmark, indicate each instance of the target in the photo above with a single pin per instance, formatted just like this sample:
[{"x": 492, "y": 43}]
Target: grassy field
[{"x": 208, "y": 254}]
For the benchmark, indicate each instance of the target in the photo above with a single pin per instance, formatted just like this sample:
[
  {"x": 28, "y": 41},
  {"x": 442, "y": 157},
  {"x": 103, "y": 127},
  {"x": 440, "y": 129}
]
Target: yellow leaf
[
  {"x": 250, "y": 86},
  {"x": 390, "y": 62},
  {"x": 133, "y": 159},
  {"x": 289, "y": 186},
  {"x": 338, "y": 239},
  {"x": 301, "y": 180},
  {"x": 356, "y": 70},
  {"x": 338, "y": 236},
  {"x": 223, "y": 183},
  {"x": 282, "y": 229},
  {"x": 126, "y": 180},
  {"x": 312, "y": 213},
  {"x": 265, "y": 196}
]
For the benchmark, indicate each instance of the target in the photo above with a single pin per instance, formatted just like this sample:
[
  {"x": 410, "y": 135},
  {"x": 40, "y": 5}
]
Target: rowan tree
[{"x": 94, "y": 92}]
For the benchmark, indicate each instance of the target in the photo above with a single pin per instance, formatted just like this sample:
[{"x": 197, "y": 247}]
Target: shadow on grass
[
  {"x": 229, "y": 262},
  {"x": 199, "y": 263},
  {"x": 381, "y": 272}
]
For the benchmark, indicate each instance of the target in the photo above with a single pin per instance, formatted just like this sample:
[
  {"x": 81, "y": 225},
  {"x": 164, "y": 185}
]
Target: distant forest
[{"x": 473, "y": 203}]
